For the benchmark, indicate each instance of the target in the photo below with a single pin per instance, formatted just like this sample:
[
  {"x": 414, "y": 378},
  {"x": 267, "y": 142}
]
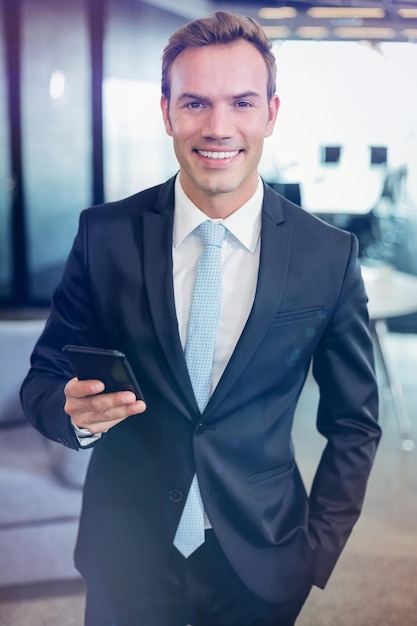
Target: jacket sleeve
[
  {"x": 347, "y": 417},
  {"x": 70, "y": 322}
]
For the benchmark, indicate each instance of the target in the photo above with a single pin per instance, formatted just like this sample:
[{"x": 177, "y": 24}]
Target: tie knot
[{"x": 212, "y": 233}]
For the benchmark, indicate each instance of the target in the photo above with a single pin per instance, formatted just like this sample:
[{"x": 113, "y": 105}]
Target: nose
[{"x": 218, "y": 123}]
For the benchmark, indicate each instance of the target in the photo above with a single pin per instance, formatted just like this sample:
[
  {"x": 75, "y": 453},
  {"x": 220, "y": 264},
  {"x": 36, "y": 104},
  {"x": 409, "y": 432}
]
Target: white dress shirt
[{"x": 240, "y": 265}]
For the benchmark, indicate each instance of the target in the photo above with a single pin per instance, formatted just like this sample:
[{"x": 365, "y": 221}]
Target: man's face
[{"x": 218, "y": 116}]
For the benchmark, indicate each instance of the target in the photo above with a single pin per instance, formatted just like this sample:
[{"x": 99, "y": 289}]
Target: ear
[
  {"x": 273, "y": 108},
  {"x": 165, "y": 115}
]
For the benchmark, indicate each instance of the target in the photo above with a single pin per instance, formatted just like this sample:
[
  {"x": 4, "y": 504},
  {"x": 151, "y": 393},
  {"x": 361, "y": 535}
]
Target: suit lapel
[
  {"x": 274, "y": 260},
  {"x": 157, "y": 245},
  {"x": 273, "y": 268}
]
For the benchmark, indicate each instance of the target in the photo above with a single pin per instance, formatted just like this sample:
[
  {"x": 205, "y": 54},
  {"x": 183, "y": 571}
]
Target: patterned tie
[{"x": 199, "y": 349}]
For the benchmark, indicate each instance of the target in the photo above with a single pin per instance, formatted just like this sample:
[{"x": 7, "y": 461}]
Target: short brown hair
[{"x": 222, "y": 28}]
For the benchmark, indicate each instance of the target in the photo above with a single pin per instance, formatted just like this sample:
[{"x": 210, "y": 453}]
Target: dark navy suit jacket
[{"x": 310, "y": 307}]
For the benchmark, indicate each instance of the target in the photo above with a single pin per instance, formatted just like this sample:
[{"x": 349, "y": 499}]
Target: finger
[
  {"x": 81, "y": 388},
  {"x": 108, "y": 401},
  {"x": 102, "y": 417},
  {"x": 100, "y": 404}
]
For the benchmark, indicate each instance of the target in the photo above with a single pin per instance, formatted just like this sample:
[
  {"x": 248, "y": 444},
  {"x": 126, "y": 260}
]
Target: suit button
[
  {"x": 175, "y": 495},
  {"x": 199, "y": 430}
]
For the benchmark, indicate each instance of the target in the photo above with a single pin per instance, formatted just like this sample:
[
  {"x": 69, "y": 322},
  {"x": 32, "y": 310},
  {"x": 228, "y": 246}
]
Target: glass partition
[
  {"x": 56, "y": 133},
  {"x": 137, "y": 152}
]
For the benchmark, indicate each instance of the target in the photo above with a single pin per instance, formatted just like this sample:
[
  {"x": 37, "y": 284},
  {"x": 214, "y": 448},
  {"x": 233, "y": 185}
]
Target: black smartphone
[{"x": 109, "y": 366}]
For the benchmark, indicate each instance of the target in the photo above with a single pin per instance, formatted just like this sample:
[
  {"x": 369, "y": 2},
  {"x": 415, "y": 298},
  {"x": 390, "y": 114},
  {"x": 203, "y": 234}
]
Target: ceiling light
[
  {"x": 277, "y": 32},
  {"x": 57, "y": 85},
  {"x": 312, "y": 32},
  {"x": 346, "y": 12},
  {"x": 407, "y": 13},
  {"x": 410, "y": 33},
  {"x": 278, "y": 13},
  {"x": 347, "y": 32}
]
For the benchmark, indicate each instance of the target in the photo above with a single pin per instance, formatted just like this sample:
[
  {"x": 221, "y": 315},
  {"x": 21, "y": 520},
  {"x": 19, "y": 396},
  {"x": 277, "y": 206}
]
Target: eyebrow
[
  {"x": 187, "y": 95},
  {"x": 194, "y": 96}
]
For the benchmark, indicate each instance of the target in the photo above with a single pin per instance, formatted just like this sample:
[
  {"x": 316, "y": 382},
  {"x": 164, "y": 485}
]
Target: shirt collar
[{"x": 244, "y": 224}]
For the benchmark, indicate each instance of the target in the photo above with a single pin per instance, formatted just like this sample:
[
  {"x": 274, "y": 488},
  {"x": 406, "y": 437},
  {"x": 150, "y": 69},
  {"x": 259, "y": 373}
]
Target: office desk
[{"x": 391, "y": 294}]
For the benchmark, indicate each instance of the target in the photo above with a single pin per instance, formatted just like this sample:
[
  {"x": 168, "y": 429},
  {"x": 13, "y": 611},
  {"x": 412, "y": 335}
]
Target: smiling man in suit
[{"x": 291, "y": 295}]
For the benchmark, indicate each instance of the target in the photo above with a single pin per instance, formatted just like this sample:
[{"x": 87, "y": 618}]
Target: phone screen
[{"x": 109, "y": 366}]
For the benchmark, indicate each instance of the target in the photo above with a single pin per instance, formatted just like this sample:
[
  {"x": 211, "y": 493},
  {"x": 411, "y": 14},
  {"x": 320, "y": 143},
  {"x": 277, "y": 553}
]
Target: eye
[
  {"x": 194, "y": 105},
  {"x": 242, "y": 104}
]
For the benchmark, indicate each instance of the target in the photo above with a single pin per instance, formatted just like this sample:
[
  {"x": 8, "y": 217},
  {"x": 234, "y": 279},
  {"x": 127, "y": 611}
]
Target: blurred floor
[{"x": 375, "y": 581}]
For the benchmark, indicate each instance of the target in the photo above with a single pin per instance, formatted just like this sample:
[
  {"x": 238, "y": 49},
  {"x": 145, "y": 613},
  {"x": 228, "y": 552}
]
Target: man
[{"x": 291, "y": 293}]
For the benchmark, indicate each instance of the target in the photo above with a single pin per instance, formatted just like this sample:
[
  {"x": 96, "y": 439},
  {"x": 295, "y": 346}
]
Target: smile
[{"x": 208, "y": 154}]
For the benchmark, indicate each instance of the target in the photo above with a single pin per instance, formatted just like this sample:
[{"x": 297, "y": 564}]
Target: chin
[{"x": 217, "y": 185}]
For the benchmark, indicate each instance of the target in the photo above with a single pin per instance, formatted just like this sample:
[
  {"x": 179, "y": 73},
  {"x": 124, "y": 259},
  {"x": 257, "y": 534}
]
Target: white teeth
[{"x": 218, "y": 155}]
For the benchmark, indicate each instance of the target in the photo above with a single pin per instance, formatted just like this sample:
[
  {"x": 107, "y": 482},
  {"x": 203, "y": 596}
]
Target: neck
[{"x": 219, "y": 205}]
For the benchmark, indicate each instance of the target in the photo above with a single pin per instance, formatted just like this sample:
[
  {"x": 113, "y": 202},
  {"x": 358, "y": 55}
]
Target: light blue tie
[{"x": 199, "y": 349}]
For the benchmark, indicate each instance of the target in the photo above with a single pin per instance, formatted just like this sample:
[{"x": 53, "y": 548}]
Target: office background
[{"x": 80, "y": 123}]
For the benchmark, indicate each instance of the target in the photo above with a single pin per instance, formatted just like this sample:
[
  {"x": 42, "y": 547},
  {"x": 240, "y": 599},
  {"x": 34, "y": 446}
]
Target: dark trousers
[{"x": 202, "y": 590}]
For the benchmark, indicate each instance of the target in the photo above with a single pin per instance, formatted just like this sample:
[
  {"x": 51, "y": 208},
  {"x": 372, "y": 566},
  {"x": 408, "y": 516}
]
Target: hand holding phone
[
  {"x": 109, "y": 366},
  {"x": 99, "y": 410}
]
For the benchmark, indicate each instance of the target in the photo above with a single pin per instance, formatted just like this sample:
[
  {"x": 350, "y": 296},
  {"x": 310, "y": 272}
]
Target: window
[
  {"x": 56, "y": 133},
  {"x": 137, "y": 152},
  {"x": 53, "y": 139}
]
